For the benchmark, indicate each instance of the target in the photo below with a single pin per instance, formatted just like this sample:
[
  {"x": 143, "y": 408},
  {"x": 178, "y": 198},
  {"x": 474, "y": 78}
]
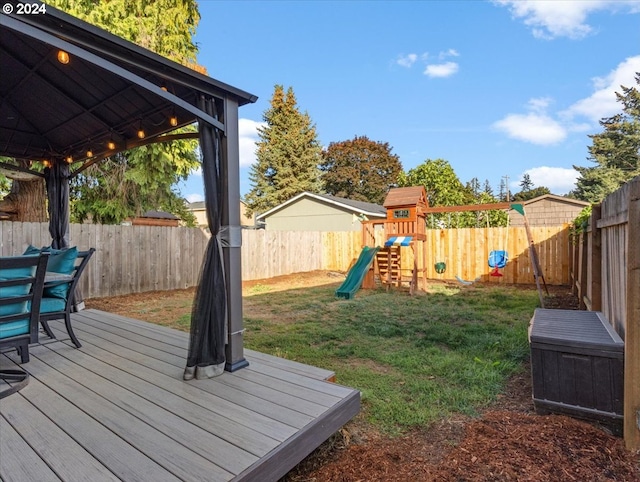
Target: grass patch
[{"x": 415, "y": 359}]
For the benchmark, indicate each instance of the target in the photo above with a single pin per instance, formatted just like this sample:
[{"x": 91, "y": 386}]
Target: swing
[
  {"x": 440, "y": 266},
  {"x": 498, "y": 258}
]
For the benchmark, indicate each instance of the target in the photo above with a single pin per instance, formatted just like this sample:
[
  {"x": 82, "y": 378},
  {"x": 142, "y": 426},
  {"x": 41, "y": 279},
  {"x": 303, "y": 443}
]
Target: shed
[
  {"x": 156, "y": 218},
  {"x": 549, "y": 210},
  {"x": 320, "y": 212}
]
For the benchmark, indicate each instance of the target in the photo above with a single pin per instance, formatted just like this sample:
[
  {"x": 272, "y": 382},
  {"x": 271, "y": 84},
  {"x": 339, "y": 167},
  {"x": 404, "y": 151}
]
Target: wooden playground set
[{"x": 402, "y": 259}]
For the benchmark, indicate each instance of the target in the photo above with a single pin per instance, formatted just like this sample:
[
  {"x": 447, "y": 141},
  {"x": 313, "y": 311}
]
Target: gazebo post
[{"x": 230, "y": 173}]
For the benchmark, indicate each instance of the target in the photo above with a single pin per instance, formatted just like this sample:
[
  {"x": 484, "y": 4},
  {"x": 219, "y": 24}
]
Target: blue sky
[{"x": 496, "y": 88}]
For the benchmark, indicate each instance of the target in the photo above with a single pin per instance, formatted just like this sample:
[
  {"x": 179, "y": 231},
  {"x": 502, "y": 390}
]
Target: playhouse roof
[{"x": 405, "y": 196}]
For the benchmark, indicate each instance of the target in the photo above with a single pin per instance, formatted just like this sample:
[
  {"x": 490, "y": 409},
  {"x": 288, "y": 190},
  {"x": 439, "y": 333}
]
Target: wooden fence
[
  {"x": 128, "y": 259},
  {"x": 132, "y": 259},
  {"x": 605, "y": 274}
]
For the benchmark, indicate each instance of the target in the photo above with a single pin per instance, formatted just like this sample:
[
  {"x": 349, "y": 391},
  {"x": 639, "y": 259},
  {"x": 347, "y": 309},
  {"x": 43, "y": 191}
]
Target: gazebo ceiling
[{"x": 109, "y": 90}]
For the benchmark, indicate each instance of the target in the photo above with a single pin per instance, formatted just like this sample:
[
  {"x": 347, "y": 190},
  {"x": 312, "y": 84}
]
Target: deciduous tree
[
  {"x": 443, "y": 188},
  {"x": 360, "y": 169},
  {"x": 288, "y": 155}
]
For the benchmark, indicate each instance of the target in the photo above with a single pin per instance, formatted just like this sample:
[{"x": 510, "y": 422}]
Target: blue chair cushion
[
  {"x": 51, "y": 305},
  {"x": 13, "y": 328},
  {"x": 32, "y": 250},
  {"x": 60, "y": 261},
  {"x": 18, "y": 290}
]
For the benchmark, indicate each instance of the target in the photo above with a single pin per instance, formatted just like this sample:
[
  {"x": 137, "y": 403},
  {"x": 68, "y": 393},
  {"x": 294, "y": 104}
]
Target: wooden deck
[{"x": 118, "y": 409}]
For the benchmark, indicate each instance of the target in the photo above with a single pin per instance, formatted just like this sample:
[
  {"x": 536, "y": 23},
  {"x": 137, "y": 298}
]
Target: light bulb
[
  {"x": 173, "y": 120},
  {"x": 63, "y": 57}
]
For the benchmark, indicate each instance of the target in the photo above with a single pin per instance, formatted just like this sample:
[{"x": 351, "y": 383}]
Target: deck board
[{"x": 117, "y": 408}]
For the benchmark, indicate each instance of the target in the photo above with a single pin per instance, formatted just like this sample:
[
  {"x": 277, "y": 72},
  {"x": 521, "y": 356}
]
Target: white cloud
[
  {"x": 248, "y": 134},
  {"x": 559, "y": 180},
  {"x": 407, "y": 60},
  {"x": 539, "y": 104},
  {"x": 563, "y": 18},
  {"x": 538, "y": 127},
  {"x": 448, "y": 53},
  {"x": 193, "y": 198},
  {"x": 446, "y": 69},
  {"x": 603, "y": 102},
  {"x": 535, "y": 127}
]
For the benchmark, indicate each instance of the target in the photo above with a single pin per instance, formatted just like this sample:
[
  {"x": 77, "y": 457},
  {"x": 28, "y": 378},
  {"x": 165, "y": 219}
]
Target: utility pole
[{"x": 506, "y": 185}]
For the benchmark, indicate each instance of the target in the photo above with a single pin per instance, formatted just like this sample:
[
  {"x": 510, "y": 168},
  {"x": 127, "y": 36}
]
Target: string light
[
  {"x": 68, "y": 159},
  {"x": 111, "y": 145},
  {"x": 47, "y": 163},
  {"x": 63, "y": 57},
  {"x": 173, "y": 120},
  {"x": 140, "y": 132},
  {"x": 89, "y": 153}
]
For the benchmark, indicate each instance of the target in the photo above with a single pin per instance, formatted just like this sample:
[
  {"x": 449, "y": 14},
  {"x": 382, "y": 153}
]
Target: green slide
[{"x": 357, "y": 273}]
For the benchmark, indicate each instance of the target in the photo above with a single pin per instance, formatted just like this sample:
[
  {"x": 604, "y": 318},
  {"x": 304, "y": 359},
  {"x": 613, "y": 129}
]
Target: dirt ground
[{"x": 508, "y": 442}]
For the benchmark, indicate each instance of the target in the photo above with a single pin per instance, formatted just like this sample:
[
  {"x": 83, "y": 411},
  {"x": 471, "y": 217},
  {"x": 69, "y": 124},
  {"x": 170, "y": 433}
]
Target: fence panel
[{"x": 131, "y": 259}]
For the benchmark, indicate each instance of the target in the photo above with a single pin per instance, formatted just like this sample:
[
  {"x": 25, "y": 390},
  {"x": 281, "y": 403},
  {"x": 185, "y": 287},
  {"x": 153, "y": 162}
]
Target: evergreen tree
[
  {"x": 487, "y": 189},
  {"x": 505, "y": 192},
  {"x": 288, "y": 155},
  {"x": 526, "y": 184},
  {"x": 360, "y": 169},
  {"x": 531, "y": 193},
  {"x": 615, "y": 151},
  {"x": 474, "y": 186}
]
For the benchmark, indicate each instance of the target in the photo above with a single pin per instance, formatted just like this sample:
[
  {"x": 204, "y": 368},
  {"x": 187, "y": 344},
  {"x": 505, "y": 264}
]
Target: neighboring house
[
  {"x": 548, "y": 210},
  {"x": 155, "y": 218},
  {"x": 320, "y": 212},
  {"x": 199, "y": 211}
]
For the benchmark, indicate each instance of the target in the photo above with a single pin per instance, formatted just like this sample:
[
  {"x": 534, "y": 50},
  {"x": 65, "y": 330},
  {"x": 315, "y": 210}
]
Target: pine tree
[
  {"x": 487, "y": 189},
  {"x": 474, "y": 187},
  {"x": 615, "y": 151},
  {"x": 288, "y": 155},
  {"x": 526, "y": 184}
]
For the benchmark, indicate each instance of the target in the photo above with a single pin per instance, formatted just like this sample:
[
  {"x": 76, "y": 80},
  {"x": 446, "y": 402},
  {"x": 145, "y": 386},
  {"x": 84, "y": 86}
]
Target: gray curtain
[
  {"x": 206, "y": 356},
  {"x": 57, "y": 181}
]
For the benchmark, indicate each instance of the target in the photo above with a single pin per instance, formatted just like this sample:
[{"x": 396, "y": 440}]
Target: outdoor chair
[
  {"x": 59, "y": 296},
  {"x": 21, "y": 285}
]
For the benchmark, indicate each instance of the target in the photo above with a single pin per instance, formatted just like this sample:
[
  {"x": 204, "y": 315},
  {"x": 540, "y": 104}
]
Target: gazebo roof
[{"x": 108, "y": 91}]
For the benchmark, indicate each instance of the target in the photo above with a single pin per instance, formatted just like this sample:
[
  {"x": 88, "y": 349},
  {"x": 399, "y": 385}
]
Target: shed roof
[
  {"x": 553, "y": 197},
  {"x": 159, "y": 215},
  {"x": 361, "y": 207},
  {"x": 405, "y": 196}
]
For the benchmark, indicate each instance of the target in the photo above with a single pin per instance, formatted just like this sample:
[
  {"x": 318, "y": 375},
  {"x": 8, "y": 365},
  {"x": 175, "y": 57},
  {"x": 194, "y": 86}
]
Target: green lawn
[{"x": 415, "y": 359}]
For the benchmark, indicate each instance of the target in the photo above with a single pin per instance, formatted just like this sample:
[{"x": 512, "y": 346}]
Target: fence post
[
  {"x": 584, "y": 263},
  {"x": 632, "y": 329},
  {"x": 595, "y": 259}
]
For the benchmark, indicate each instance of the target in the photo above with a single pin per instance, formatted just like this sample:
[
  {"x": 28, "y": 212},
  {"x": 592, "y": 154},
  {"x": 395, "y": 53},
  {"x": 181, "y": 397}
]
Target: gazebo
[
  {"x": 72, "y": 95},
  {"x": 117, "y": 408}
]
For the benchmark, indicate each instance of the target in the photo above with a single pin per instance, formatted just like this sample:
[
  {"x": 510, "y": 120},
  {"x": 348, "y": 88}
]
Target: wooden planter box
[{"x": 577, "y": 366}]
